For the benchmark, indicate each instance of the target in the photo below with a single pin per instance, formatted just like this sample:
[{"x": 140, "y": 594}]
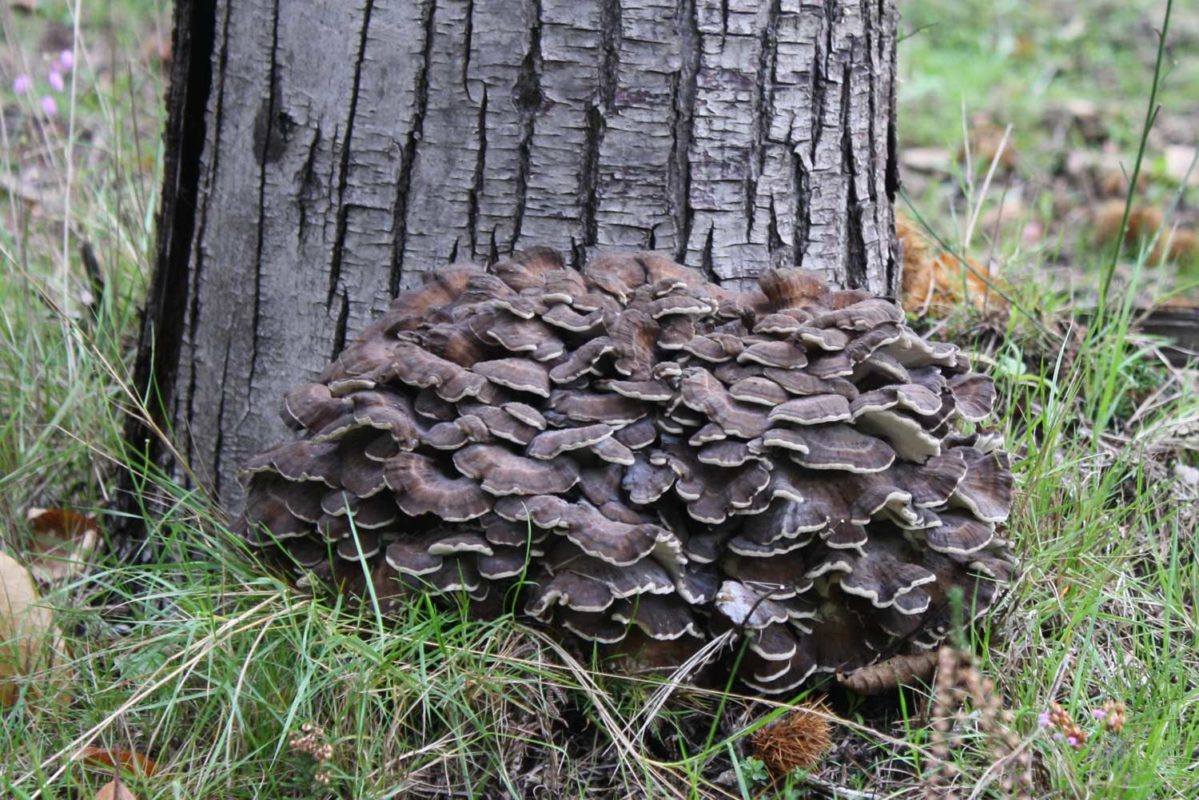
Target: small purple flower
[
  {"x": 56, "y": 81},
  {"x": 22, "y": 84},
  {"x": 1099, "y": 714},
  {"x": 49, "y": 107},
  {"x": 1043, "y": 719},
  {"x": 1057, "y": 737},
  {"x": 66, "y": 60},
  {"x": 1072, "y": 741}
]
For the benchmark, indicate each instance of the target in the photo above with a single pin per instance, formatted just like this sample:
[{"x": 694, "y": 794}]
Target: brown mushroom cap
[
  {"x": 747, "y": 608},
  {"x": 577, "y": 591},
  {"x": 583, "y": 360},
  {"x": 675, "y": 332},
  {"x": 613, "y": 452},
  {"x": 974, "y": 395},
  {"x": 501, "y": 472},
  {"x": 662, "y": 618},
  {"x": 637, "y": 435},
  {"x": 300, "y": 461},
  {"x": 648, "y": 461},
  {"x": 519, "y": 374},
  {"x": 569, "y": 319},
  {"x": 504, "y": 562},
  {"x": 421, "y": 488},
  {"x": 906, "y": 435},
  {"x": 654, "y": 391},
  {"x": 783, "y": 355},
  {"x": 762, "y": 391},
  {"x": 553, "y": 443},
  {"x": 702, "y": 392},
  {"x": 840, "y": 447},
  {"x": 643, "y": 577},
  {"x": 312, "y": 406},
  {"x": 498, "y": 422},
  {"x": 816, "y": 409},
  {"x": 617, "y": 543},
  {"x": 714, "y": 348},
  {"x": 802, "y": 383},
  {"x": 986, "y": 488},
  {"x": 587, "y": 407},
  {"x": 645, "y": 482}
]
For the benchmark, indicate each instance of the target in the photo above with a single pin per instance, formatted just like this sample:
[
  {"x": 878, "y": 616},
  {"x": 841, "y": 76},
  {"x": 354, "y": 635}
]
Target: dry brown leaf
[
  {"x": 936, "y": 283},
  {"x": 1010, "y": 217},
  {"x": 62, "y": 541},
  {"x": 1179, "y": 159},
  {"x": 119, "y": 757},
  {"x": 1144, "y": 222},
  {"x": 115, "y": 790},
  {"x": 156, "y": 50},
  {"x": 30, "y": 645},
  {"x": 1088, "y": 118},
  {"x": 886, "y": 675},
  {"x": 1104, "y": 172},
  {"x": 926, "y": 159},
  {"x": 1181, "y": 244},
  {"x": 987, "y": 144}
]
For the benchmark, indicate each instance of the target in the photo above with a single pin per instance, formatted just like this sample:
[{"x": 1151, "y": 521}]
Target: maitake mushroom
[{"x": 654, "y": 459}]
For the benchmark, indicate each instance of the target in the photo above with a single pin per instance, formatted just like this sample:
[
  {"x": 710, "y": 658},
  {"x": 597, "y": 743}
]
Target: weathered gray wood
[{"x": 349, "y": 147}]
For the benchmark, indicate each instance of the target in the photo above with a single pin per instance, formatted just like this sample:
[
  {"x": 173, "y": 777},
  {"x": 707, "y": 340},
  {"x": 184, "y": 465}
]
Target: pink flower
[
  {"x": 1099, "y": 714},
  {"x": 66, "y": 60},
  {"x": 1043, "y": 719},
  {"x": 1072, "y": 741},
  {"x": 22, "y": 84},
  {"x": 56, "y": 81},
  {"x": 49, "y": 107}
]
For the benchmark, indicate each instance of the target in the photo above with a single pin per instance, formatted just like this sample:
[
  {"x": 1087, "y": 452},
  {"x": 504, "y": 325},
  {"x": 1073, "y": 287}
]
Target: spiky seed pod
[
  {"x": 661, "y": 458},
  {"x": 797, "y": 740}
]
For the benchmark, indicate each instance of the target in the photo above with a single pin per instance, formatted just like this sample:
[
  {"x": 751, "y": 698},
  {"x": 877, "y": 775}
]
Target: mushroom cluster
[{"x": 647, "y": 461}]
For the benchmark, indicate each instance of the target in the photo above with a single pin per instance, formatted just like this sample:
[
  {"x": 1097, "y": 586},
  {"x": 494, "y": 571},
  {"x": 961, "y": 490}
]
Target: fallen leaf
[
  {"x": 62, "y": 541},
  {"x": 30, "y": 645},
  {"x": 926, "y": 159},
  {"x": 989, "y": 142},
  {"x": 119, "y": 757},
  {"x": 1178, "y": 162},
  {"x": 936, "y": 282},
  {"x": 1081, "y": 108},
  {"x": 27, "y": 190},
  {"x": 156, "y": 50},
  {"x": 1175, "y": 243},
  {"x": 899, "y": 670},
  {"x": 115, "y": 790},
  {"x": 1102, "y": 171},
  {"x": 1088, "y": 119},
  {"x": 1003, "y": 215},
  {"x": 1143, "y": 221},
  {"x": 1186, "y": 474}
]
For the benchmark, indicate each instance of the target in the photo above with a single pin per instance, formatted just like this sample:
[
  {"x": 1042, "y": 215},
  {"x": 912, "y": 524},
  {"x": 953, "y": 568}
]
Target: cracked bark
[{"x": 320, "y": 161}]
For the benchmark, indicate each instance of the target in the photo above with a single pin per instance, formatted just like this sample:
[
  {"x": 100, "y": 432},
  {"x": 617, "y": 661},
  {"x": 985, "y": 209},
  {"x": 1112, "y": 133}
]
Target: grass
[
  {"x": 213, "y": 668},
  {"x": 1019, "y": 61}
]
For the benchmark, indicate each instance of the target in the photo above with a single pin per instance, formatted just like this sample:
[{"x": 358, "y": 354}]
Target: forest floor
[{"x": 194, "y": 676}]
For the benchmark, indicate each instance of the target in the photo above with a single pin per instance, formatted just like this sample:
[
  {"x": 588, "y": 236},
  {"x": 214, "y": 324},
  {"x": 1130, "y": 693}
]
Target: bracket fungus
[{"x": 655, "y": 459}]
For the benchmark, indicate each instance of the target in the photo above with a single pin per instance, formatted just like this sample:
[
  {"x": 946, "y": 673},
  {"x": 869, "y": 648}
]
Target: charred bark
[{"x": 343, "y": 149}]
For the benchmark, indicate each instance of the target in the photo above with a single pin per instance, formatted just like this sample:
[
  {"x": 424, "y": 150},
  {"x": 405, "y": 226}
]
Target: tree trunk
[{"x": 345, "y": 148}]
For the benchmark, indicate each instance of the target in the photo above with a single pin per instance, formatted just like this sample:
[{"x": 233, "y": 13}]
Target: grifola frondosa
[{"x": 659, "y": 458}]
